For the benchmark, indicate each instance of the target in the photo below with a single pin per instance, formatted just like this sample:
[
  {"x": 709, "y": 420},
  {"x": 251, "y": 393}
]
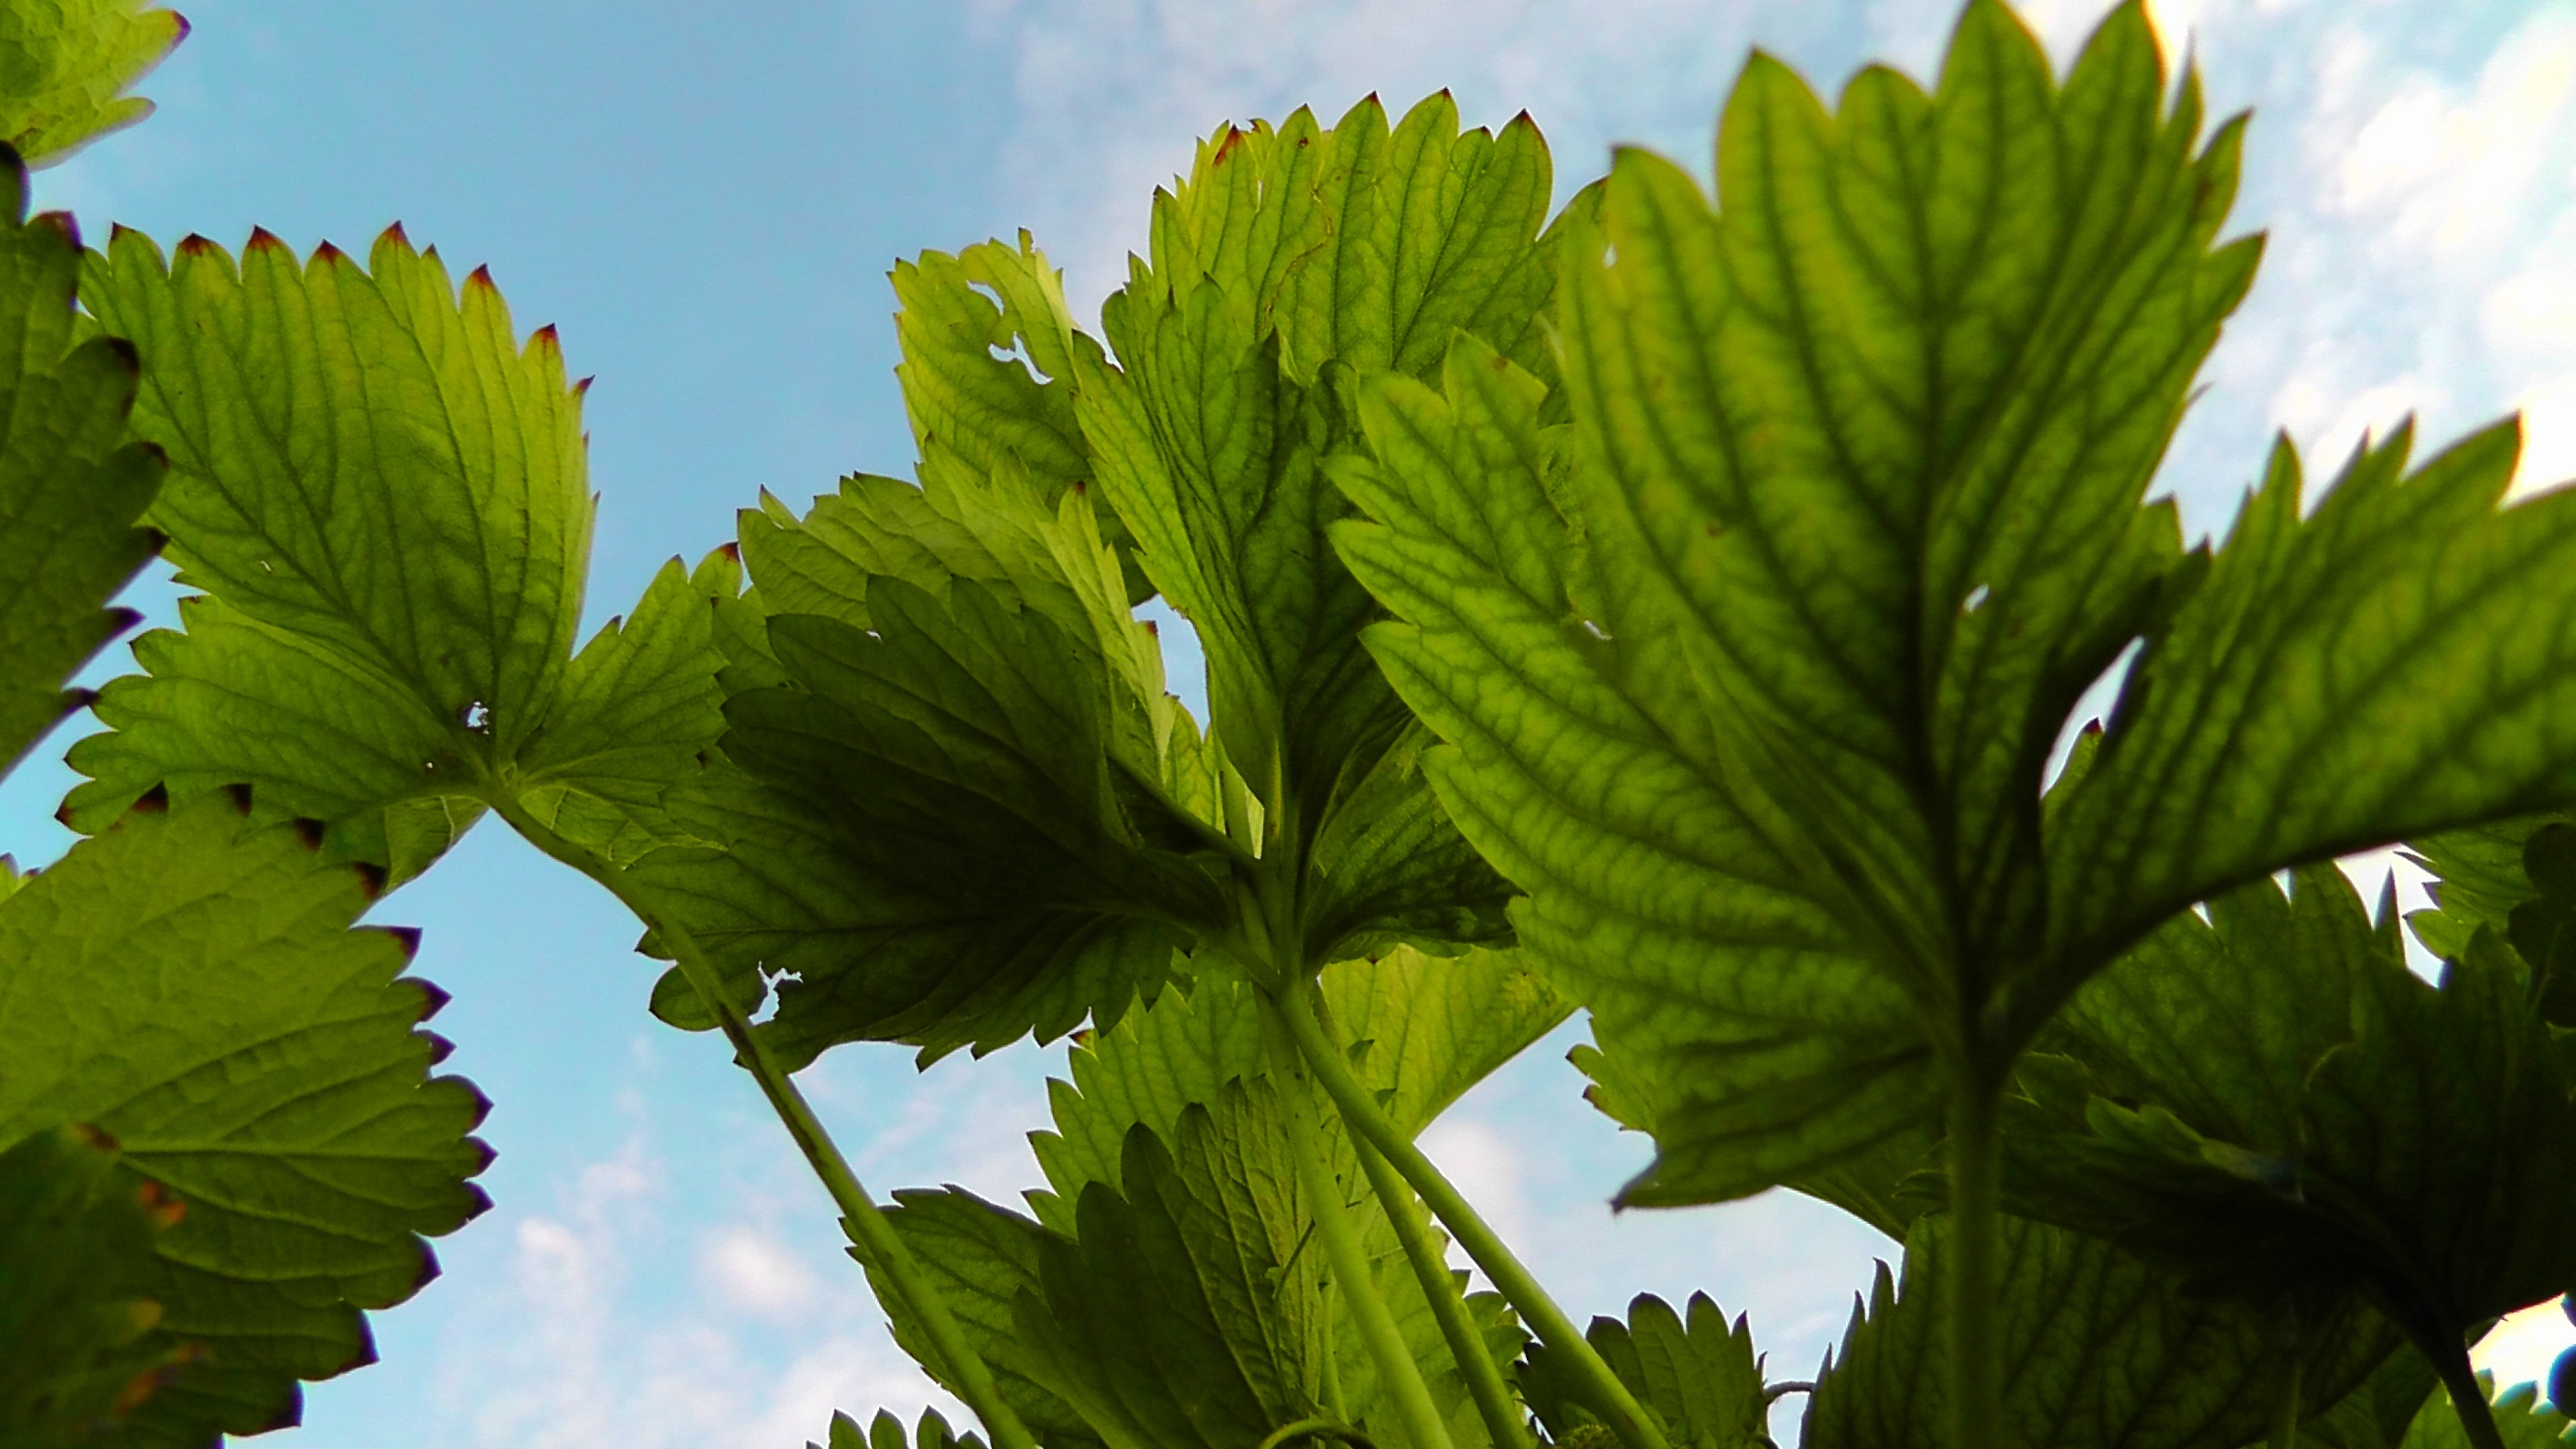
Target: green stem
[
  {"x": 965, "y": 1370},
  {"x": 1976, "y": 1170},
  {"x": 1608, "y": 1397},
  {"x": 2468, "y": 1398},
  {"x": 1448, "y": 1305},
  {"x": 1349, "y": 1261}
]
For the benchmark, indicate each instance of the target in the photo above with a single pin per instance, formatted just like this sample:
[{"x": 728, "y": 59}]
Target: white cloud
[{"x": 750, "y": 1269}]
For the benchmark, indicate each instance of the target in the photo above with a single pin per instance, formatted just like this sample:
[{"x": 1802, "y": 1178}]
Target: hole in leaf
[
  {"x": 477, "y": 717},
  {"x": 1975, "y": 600}
]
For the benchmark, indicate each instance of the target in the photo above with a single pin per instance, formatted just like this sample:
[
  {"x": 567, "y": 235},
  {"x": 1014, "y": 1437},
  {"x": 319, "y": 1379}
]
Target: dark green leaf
[
  {"x": 2287, "y": 1114},
  {"x": 1701, "y": 1381},
  {"x": 75, "y": 1270},
  {"x": 2097, "y": 1348}
]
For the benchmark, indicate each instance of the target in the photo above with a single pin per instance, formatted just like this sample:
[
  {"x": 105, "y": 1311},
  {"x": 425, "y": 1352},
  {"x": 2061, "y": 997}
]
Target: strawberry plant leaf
[
  {"x": 2288, "y": 711},
  {"x": 2391, "y": 1140},
  {"x": 75, "y": 1268},
  {"x": 71, "y": 487},
  {"x": 65, "y": 66},
  {"x": 1796, "y": 1061},
  {"x": 189, "y": 984},
  {"x": 1856, "y": 522},
  {"x": 886, "y": 1431},
  {"x": 1423, "y": 1029},
  {"x": 2522, "y": 1421},
  {"x": 324, "y": 420},
  {"x": 1292, "y": 260},
  {"x": 2098, "y": 1349},
  {"x": 1701, "y": 1378},
  {"x": 2518, "y": 877}
]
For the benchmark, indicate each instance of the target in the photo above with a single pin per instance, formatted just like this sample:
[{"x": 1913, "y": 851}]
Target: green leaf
[
  {"x": 2519, "y": 877},
  {"x": 2097, "y": 1349},
  {"x": 1701, "y": 1380},
  {"x": 2287, "y": 1114},
  {"x": 384, "y": 495},
  {"x": 70, "y": 486},
  {"x": 2522, "y": 1421},
  {"x": 1771, "y": 1046},
  {"x": 65, "y": 66},
  {"x": 1292, "y": 261},
  {"x": 637, "y": 709},
  {"x": 885, "y": 1431},
  {"x": 189, "y": 984},
  {"x": 1422, "y": 1030},
  {"x": 2345, "y": 677},
  {"x": 1186, "y": 1296},
  {"x": 2377, "y": 1414},
  {"x": 75, "y": 1264},
  {"x": 983, "y": 1262}
]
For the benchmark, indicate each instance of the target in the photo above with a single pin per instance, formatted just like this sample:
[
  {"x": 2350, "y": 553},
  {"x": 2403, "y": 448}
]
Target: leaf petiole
[
  {"x": 1350, "y": 1266},
  {"x": 1360, "y": 1112},
  {"x": 1976, "y": 1169},
  {"x": 1475, "y": 1361},
  {"x": 967, "y": 1372}
]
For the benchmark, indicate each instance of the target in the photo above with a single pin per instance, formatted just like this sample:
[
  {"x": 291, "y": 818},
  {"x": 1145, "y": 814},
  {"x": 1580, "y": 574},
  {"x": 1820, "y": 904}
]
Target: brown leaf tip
[
  {"x": 408, "y": 938},
  {"x": 731, "y": 549},
  {"x": 97, "y": 1137},
  {"x": 310, "y": 831},
  {"x": 61, "y": 223},
  {"x": 480, "y": 277},
  {"x": 196, "y": 245},
  {"x": 325, "y": 254},
  {"x": 371, "y": 877},
  {"x": 394, "y": 235},
  {"x": 433, "y": 997},
  {"x": 262, "y": 239},
  {"x": 582, "y": 388},
  {"x": 240, "y": 796},
  {"x": 440, "y": 1048},
  {"x": 155, "y": 801}
]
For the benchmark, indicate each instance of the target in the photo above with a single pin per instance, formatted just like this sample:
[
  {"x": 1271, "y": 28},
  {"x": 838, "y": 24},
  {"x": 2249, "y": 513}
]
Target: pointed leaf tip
[
  {"x": 155, "y": 801},
  {"x": 394, "y": 235},
  {"x": 262, "y": 238},
  {"x": 433, "y": 997},
  {"x": 480, "y": 277},
  {"x": 196, "y": 244},
  {"x": 408, "y": 937},
  {"x": 440, "y": 1048},
  {"x": 371, "y": 876}
]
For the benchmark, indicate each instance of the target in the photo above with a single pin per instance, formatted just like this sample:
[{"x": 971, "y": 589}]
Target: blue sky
[{"x": 705, "y": 199}]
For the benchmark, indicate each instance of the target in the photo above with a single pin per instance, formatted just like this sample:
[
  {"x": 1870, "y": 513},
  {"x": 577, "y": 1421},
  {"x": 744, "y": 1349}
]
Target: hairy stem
[
  {"x": 964, "y": 1369},
  {"x": 1350, "y": 1265},
  {"x": 1605, "y": 1394},
  {"x": 1475, "y": 1360},
  {"x": 1976, "y": 1166},
  {"x": 2468, "y": 1397}
]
